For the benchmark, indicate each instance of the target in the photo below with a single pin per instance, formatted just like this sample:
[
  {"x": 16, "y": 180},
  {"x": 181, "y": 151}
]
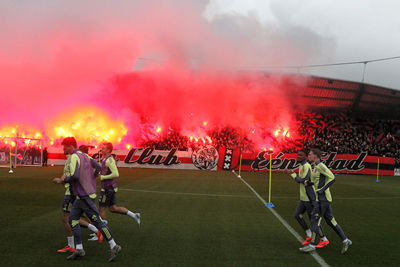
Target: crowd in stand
[
  {"x": 331, "y": 132},
  {"x": 352, "y": 134}
]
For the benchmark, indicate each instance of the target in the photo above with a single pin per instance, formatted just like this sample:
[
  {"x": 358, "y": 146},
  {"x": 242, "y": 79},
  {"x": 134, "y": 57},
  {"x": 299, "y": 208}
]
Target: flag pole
[
  {"x": 269, "y": 204},
  {"x": 11, "y": 171},
  {"x": 377, "y": 173},
  {"x": 240, "y": 165}
]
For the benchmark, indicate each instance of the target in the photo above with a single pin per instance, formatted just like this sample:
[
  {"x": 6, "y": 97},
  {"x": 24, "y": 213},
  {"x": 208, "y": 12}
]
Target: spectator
[{"x": 45, "y": 157}]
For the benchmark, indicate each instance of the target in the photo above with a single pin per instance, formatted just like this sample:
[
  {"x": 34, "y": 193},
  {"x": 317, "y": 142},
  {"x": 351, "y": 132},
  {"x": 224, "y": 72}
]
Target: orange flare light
[
  {"x": 21, "y": 131},
  {"x": 88, "y": 124}
]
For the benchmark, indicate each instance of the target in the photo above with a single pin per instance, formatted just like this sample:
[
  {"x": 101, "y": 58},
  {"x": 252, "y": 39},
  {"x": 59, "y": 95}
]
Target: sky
[
  {"x": 267, "y": 32},
  {"x": 353, "y": 30}
]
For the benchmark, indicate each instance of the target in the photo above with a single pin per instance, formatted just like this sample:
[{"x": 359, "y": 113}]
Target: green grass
[{"x": 200, "y": 227}]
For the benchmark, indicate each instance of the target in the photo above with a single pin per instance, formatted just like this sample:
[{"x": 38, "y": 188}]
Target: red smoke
[
  {"x": 61, "y": 58},
  {"x": 196, "y": 102}
]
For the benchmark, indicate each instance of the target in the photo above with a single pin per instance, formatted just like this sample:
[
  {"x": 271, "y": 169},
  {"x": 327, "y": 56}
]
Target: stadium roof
[{"x": 326, "y": 93}]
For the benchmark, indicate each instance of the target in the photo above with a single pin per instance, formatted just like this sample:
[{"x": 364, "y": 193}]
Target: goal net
[{"x": 18, "y": 151}]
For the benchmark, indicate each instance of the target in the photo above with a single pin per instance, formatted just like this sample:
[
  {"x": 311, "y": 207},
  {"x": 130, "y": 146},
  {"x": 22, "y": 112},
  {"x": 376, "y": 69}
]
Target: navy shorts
[
  {"x": 107, "y": 198},
  {"x": 67, "y": 203}
]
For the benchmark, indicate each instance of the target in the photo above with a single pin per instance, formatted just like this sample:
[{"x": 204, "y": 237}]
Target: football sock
[
  {"x": 70, "y": 240},
  {"x": 92, "y": 228},
  {"x": 308, "y": 233},
  {"x": 111, "y": 243},
  {"x": 131, "y": 214}
]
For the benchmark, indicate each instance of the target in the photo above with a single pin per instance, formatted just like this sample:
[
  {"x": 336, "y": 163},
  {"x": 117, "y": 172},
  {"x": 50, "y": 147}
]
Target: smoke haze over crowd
[{"x": 160, "y": 63}]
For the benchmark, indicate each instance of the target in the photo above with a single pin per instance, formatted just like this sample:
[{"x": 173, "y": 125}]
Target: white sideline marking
[
  {"x": 183, "y": 193},
  {"x": 241, "y": 196},
  {"x": 348, "y": 198},
  {"x": 314, "y": 254}
]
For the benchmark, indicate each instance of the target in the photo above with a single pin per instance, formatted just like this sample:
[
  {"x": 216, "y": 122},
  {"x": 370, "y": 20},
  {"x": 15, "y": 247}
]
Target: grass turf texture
[{"x": 195, "y": 229}]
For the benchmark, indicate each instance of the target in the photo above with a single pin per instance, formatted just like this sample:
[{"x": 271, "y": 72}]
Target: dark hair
[
  {"x": 69, "y": 141},
  {"x": 302, "y": 151},
  {"x": 108, "y": 145},
  {"x": 316, "y": 152},
  {"x": 84, "y": 149}
]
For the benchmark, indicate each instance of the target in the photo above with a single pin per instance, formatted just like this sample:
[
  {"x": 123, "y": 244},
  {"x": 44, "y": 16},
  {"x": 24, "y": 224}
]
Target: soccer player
[
  {"x": 97, "y": 236},
  {"x": 308, "y": 202},
  {"x": 69, "y": 199},
  {"x": 109, "y": 186},
  {"x": 323, "y": 178},
  {"x": 83, "y": 183},
  {"x": 66, "y": 207}
]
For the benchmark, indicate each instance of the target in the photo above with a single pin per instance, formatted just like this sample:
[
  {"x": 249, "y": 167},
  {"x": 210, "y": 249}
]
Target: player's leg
[
  {"x": 74, "y": 217},
  {"x": 321, "y": 232},
  {"x": 331, "y": 221},
  {"x": 66, "y": 208},
  {"x": 315, "y": 217},
  {"x": 299, "y": 215},
  {"x": 103, "y": 204},
  {"x": 112, "y": 201},
  {"x": 323, "y": 239},
  {"x": 91, "y": 210},
  {"x": 85, "y": 222}
]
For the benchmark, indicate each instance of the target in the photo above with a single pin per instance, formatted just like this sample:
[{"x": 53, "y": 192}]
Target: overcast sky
[
  {"x": 243, "y": 34},
  {"x": 357, "y": 30}
]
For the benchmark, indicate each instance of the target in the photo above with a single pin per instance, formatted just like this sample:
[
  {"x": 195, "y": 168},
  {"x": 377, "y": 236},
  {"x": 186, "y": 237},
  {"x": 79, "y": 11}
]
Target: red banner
[
  {"x": 338, "y": 163},
  {"x": 209, "y": 158}
]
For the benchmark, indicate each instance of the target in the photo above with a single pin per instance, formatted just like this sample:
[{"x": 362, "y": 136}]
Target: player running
[
  {"x": 66, "y": 208},
  {"x": 109, "y": 186},
  {"x": 83, "y": 183},
  {"x": 323, "y": 179},
  {"x": 307, "y": 203},
  {"x": 69, "y": 199},
  {"x": 96, "y": 236}
]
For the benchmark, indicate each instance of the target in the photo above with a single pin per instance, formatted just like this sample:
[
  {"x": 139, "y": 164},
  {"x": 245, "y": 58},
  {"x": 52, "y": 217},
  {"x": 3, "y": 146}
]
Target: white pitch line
[
  {"x": 347, "y": 198},
  {"x": 183, "y": 193},
  {"x": 242, "y": 196},
  {"x": 314, "y": 254}
]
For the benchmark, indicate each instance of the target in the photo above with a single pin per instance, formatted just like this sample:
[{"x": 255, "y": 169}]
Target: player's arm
[
  {"x": 309, "y": 186},
  {"x": 296, "y": 177},
  {"x": 306, "y": 180},
  {"x": 59, "y": 180},
  {"x": 96, "y": 166},
  {"x": 112, "y": 165},
  {"x": 330, "y": 178},
  {"x": 74, "y": 169}
]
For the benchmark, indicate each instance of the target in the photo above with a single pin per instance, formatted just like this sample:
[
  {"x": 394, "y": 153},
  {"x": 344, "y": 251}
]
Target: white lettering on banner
[{"x": 208, "y": 158}]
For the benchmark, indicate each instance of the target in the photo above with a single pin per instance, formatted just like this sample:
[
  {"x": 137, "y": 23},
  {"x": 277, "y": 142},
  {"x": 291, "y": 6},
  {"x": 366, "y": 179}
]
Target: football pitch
[{"x": 192, "y": 218}]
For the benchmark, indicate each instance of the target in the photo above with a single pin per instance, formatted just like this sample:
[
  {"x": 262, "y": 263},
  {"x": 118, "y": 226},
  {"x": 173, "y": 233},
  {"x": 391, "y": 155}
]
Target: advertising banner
[{"x": 209, "y": 158}]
